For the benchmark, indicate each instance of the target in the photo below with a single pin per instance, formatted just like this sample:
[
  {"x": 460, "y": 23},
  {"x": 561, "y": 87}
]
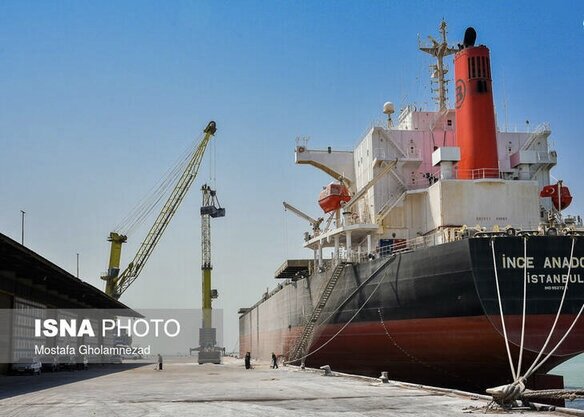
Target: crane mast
[
  {"x": 208, "y": 352},
  {"x": 117, "y": 283}
]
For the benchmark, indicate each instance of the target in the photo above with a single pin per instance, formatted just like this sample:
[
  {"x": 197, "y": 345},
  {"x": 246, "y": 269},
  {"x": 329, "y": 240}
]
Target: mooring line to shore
[
  {"x": 524, "y": 305},
  {"x": 501, "y": 312},
  {"x": 506, "y": 395},
  {"x": 386, "y": 273},
  {"x": 342, "y": 304},
  {"x": 535, "y": 366}
]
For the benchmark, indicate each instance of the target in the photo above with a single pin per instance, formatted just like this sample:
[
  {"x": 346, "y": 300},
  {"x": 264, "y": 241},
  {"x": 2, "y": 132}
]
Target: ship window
[{"x": 449, "y": 122}]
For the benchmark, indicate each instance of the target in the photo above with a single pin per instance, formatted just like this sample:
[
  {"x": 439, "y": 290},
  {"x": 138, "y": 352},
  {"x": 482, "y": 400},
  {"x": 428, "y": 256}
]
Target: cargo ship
[{"x": 443, "y": 255}]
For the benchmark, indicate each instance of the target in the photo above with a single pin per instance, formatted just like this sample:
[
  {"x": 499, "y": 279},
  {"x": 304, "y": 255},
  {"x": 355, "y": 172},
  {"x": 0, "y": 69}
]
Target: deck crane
[
  {"x": 117, "y": 283},
  {"x": 315, "y": 223}
]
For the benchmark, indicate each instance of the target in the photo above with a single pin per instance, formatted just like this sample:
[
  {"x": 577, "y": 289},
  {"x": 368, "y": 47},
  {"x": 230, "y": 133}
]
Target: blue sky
[{"x": 98, "y": 99}]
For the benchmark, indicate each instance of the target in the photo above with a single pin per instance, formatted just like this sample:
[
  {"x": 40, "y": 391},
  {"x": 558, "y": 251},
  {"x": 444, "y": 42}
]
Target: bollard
[
  {"x": 384, "y": 378},
  {"x": 327, "y": 370}
]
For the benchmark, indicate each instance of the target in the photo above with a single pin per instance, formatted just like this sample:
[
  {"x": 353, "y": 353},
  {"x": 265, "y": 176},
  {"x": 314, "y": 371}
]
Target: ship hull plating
[{"x": 432, "y": 316}]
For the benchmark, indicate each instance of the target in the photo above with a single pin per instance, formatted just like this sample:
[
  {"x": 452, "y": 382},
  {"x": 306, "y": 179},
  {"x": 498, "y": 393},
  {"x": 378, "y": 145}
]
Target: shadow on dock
[{"x": 11, "y": 386}]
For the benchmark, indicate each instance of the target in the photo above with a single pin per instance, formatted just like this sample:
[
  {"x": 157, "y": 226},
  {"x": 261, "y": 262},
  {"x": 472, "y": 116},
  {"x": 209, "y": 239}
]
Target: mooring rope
[
  {"x": 524, "y": 305},
  {"x": 501, "y": 313},
  {"x": 507, "y": 394},
  {"x": 373, "y": 275},
  {"x": 346, "y": 324},
  {"x": 533, "y": 367}
]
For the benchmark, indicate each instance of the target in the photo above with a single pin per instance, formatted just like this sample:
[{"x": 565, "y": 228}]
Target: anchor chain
[{"x": 414, "y": 358}]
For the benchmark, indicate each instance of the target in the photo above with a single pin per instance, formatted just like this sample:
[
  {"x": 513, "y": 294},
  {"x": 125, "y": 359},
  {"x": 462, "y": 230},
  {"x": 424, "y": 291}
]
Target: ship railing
[
  {"x": 544, "y": 157},
  {"x": 409, "y": 245},
  {"x": 477, "y": 174},
  {"x": 573, "y": 226},
  {"x": 542, "y": 130},
  {"x": 427, "y": 179}
]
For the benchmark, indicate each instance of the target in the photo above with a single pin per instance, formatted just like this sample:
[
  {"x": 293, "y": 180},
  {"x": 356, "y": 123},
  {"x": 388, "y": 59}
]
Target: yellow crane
[
  {"x": 208, "y": 351},
  {"x": 117, "y": 283}
]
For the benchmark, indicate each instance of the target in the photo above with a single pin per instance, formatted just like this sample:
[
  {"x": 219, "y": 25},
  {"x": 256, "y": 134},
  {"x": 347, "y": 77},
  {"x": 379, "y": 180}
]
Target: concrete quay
[{"x": 184, "y": 388}]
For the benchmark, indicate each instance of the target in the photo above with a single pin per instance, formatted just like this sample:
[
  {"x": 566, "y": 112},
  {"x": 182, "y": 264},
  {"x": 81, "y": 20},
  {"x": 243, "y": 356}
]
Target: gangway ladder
[{"x": 304, "y": 341}]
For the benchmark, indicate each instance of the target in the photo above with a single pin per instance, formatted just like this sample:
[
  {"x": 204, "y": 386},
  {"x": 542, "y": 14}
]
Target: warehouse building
[{"x": 32, "y": 287}]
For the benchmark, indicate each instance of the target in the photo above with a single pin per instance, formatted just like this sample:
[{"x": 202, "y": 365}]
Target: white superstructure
[{"x": 405, "y": 186}]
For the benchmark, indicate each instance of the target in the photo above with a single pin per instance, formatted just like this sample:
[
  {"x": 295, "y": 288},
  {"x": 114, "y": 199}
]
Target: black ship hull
[{"x": 433, "y": 316}]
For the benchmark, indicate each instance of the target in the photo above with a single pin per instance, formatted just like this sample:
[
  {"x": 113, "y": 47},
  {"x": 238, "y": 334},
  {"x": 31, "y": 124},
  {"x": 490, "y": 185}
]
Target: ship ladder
[
  {"x": 307, "y": 333},
  {"x": 385, "y": 274}
]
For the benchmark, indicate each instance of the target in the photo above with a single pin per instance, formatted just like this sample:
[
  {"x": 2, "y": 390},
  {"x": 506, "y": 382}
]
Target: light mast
[{"x": 439, "y": 50}]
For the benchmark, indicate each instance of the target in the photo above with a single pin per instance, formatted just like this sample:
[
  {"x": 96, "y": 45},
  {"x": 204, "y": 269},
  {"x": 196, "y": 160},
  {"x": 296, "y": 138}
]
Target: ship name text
[
  {"x": 549, "y": 262},
  {"x": 554, "y": 279}
]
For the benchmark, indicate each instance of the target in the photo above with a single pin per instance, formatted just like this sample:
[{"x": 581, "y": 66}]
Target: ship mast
[{"x": 439, "y": 50}]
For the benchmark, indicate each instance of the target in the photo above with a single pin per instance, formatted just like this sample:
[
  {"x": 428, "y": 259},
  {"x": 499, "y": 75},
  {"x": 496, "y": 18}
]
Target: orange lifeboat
[
  {"x": 332, "y": 196},
  {"x": 559, "y": 194}
]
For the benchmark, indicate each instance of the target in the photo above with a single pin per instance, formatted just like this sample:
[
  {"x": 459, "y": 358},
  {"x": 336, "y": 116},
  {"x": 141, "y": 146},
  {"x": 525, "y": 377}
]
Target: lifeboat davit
[
  {"x": 332, "y": 196},
  {"x": 559, "y": 194}
]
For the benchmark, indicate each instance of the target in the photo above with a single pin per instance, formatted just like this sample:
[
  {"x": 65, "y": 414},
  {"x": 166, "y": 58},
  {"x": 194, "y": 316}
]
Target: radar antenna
[{"x": 439, "y": 50}]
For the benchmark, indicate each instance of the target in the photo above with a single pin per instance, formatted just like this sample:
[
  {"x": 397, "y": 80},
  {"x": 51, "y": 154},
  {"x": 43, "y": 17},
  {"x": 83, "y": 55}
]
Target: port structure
[
  {"x": 210, "y": 209},
  {"x": 116, "y": 282}
]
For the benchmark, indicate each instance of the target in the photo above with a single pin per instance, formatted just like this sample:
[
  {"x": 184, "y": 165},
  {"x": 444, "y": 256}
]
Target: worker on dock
[
  {"x": 247, "y": 360},
  {"x": 274, "y": 361},
  {"x": 159, "y": 362}
]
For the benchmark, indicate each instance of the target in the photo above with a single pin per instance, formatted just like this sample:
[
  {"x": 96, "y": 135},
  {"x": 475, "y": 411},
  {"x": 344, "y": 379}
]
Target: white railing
[
  {"x": 542, "y": 129},
  {"x": 477, "y": 174},
  {"x": 409, "y": 245},
  {"x": 543, "y": 157},
  {"x": 456, "y": 233}
]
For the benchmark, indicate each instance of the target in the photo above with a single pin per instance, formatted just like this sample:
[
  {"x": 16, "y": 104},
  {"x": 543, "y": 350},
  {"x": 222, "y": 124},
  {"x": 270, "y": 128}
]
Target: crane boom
[
  {"x": 117, "y": 284},
  {"x": 301, "y": 214}
]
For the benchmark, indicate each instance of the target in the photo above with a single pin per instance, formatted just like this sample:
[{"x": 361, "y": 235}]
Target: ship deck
[{"x": 184, "y": 388}]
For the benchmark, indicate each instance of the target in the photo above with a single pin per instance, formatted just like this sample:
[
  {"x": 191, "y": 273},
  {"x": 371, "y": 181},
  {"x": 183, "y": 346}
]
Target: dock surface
[{"x": 184, "y": 388}]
